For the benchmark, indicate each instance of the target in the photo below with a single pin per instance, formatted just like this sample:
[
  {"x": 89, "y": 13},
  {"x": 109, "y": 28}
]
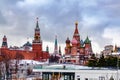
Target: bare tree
[
  {"x": 6, "y": 57},
  {"x": 18, "y": 57}
]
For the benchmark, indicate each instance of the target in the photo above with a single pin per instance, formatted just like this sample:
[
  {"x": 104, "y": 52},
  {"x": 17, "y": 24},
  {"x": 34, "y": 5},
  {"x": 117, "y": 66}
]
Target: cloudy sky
[{"x": 98, "y": 19}]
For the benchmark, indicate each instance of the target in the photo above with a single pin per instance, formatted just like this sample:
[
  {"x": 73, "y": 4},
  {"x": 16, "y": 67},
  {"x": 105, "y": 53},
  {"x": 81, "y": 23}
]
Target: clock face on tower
[{"x": 37, "y": 37}]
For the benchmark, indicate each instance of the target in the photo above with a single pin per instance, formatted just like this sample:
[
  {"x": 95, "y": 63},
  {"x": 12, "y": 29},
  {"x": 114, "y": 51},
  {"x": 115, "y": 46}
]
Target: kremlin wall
[
  {"x": 77, "y": 51},
  {"x": 28, "y": 51}
]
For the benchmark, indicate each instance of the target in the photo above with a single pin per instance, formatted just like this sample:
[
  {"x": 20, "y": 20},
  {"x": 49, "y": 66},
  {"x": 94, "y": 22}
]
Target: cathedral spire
[{"x": 76, "y": 32}]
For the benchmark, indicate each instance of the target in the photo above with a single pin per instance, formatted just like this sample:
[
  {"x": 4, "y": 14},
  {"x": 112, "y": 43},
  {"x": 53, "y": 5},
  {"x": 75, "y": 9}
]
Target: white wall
[{"x": 96, "y": 74}]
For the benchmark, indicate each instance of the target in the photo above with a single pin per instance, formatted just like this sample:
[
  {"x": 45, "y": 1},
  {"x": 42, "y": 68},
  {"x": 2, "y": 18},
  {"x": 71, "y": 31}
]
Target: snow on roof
[
  {"x": 28, "y": 62},
  {"x": 31, "y": 62},
  {"x": 115, "y": 53},
  {"x": 68, "y": 66}
]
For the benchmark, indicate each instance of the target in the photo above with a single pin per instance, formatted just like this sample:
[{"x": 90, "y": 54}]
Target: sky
[{"x": 97, "y": 19}]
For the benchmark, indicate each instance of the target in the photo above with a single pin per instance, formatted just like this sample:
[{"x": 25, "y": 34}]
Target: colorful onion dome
[
  {"x": 67, "y": 41},
  {"x": 74, "y": 41},
  {"x": 87, "y": 41}
]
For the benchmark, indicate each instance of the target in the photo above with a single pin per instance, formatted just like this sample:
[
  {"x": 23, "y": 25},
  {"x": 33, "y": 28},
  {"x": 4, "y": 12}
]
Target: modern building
[{"x": 76, "y": 72}]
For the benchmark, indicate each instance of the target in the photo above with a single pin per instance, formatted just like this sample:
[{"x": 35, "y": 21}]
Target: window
[
  {"x": 101, "y": 78},
  {"x": 78, "y": 78},
  {"x": 86, "y": 78}
]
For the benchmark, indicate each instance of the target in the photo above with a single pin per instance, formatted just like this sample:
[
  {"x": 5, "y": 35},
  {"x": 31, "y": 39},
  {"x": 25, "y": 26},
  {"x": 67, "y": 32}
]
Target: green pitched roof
[
  {"x": 87, "y": 41},
  {"x": 47, "y": 49}
]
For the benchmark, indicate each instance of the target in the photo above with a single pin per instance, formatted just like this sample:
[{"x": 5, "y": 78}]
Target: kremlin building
[
  {"x": 77, "y": 51},
  {"x": 27, "y": 51}
]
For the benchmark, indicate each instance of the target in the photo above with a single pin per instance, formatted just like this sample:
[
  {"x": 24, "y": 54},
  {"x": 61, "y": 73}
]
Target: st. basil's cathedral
[{"x": 77, "y": 51}]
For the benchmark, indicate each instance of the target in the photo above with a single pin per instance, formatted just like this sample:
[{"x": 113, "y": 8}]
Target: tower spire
[
  {"x": 4, "y": 43},
  {"x": 37, "y": 37},
  {"x": 47, "y": 49},
  {"x": 59, "y": 49},
  {"x": 37, "y": 24},
  {"x": 56, "y": 45},
  {"x": 37, "y": 42},
  {"x": 116, "y": 48}
]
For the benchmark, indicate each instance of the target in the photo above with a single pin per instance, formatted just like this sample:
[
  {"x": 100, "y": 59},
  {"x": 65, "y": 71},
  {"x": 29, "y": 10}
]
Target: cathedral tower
[
  {"x": 88, "y": 47},
  {"x": 68, "y": 46},
  {"x": 76, "y": 35}
]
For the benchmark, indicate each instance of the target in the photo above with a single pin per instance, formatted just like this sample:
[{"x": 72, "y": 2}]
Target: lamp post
[{"x": 117, "y": 66}]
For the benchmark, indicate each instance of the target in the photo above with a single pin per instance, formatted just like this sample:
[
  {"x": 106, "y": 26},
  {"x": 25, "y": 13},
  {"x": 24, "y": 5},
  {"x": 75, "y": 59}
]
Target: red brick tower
[
  {"x": 37, "y": 42},
  {"x": 4, "y": 47},
  {"x": 4, "y": 43}
]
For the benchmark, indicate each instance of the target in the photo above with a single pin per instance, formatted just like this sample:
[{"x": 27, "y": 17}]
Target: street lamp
[{"x": 117, "y": 66}]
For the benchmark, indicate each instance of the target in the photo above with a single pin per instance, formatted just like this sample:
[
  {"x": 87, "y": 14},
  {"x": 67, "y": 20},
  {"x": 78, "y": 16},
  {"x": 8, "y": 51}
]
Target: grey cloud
[
  {"x": 58, "y": 18},
  {"x": 2, "y": 19}
]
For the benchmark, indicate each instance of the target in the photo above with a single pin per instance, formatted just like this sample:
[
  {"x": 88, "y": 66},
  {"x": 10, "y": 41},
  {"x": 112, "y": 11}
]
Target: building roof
[
  {"x": 68, "y": 67},
  {"x": 87, "y": 41},
  {"x": 27, "y": 44}
]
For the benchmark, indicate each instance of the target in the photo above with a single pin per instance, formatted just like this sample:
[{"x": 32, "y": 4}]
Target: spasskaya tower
[{"x": 37, "y": 42}]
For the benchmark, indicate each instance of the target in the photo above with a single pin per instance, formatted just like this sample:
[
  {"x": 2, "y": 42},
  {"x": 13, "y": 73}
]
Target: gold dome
[{"x": 76, "y": 23}]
